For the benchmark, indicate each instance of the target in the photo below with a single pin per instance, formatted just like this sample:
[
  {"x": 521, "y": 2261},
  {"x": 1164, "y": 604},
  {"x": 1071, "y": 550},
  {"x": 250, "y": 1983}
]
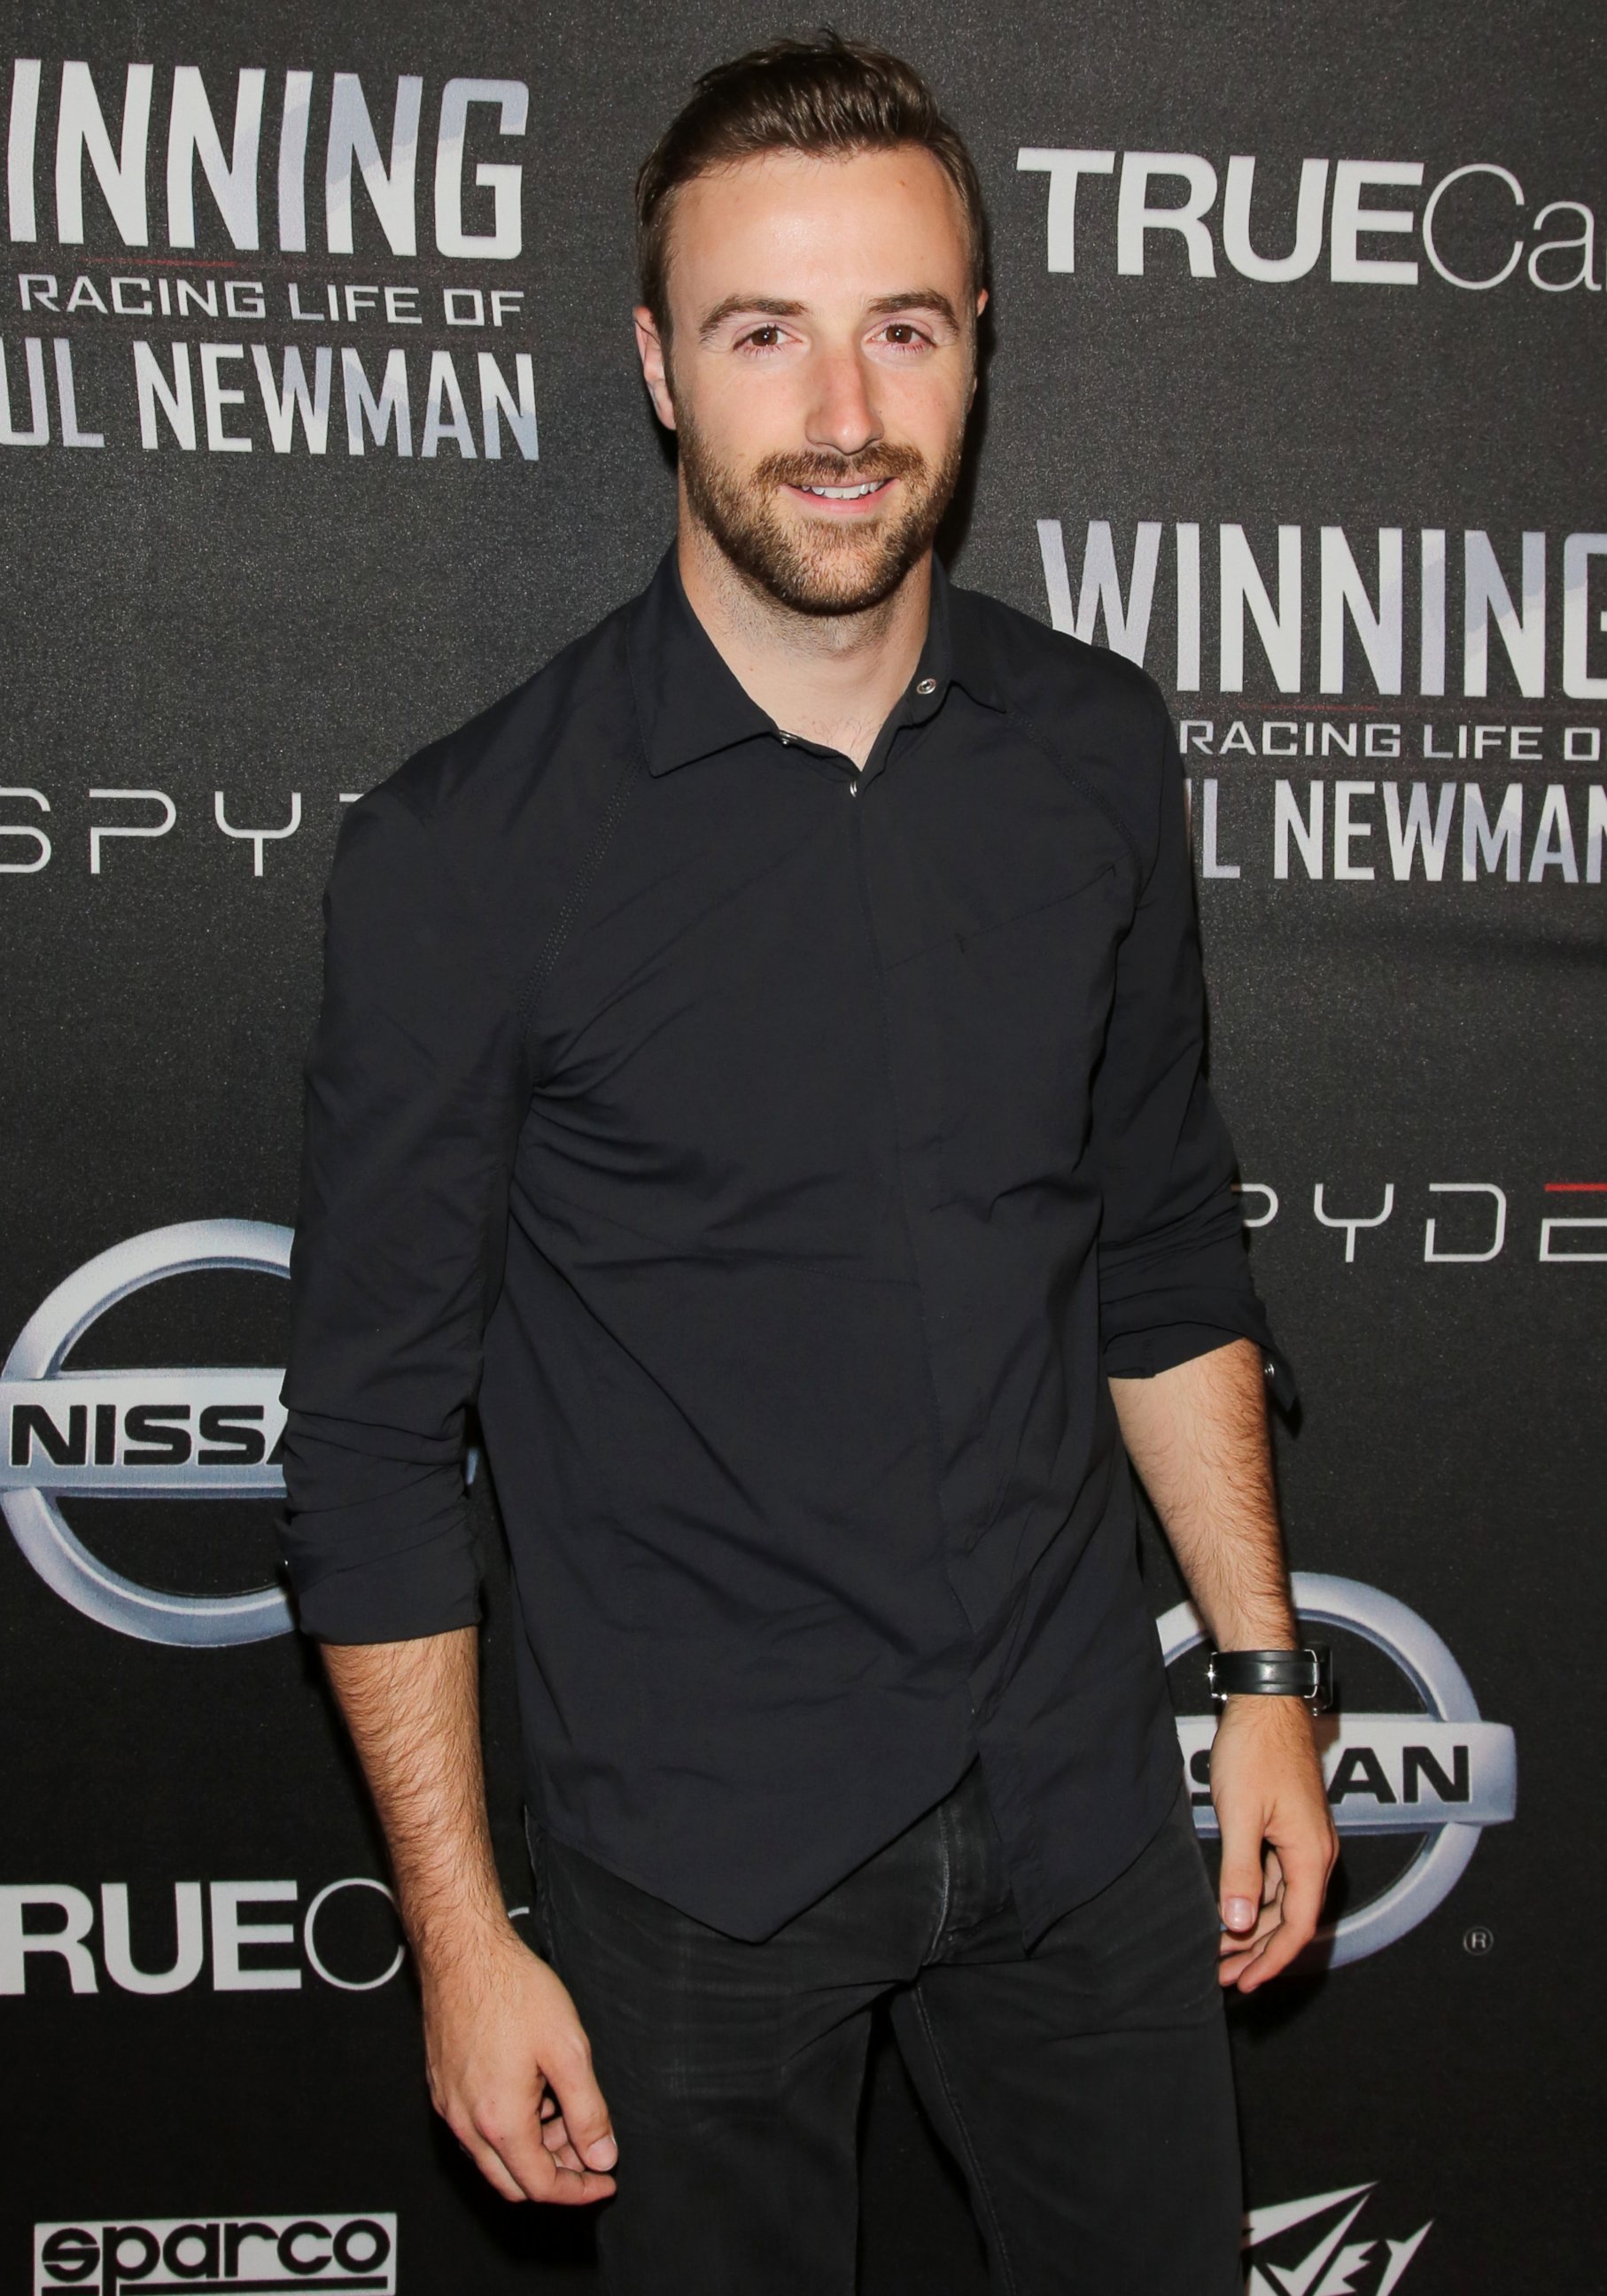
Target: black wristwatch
[{"x": 1306, "y": 1674}]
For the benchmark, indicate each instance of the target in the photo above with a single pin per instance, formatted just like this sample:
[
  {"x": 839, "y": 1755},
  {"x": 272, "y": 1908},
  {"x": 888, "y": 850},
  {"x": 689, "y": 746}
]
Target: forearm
[
  {"x": 510, "y": 2070},
  {"x": 412, "y": 1709},
  {"x": 1197, "y": 1436}
]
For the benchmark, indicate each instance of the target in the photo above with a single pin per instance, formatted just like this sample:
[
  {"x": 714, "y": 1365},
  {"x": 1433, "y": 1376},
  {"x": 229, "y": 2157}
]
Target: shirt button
[
  {"x": 785, "y": 740},
  {"x": 927, "y": 685},
  {"x": 854, "y": 786}
]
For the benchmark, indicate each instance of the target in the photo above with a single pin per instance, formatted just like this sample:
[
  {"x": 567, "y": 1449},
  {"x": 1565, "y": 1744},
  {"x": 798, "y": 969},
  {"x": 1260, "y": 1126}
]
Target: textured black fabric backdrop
[{"x": 261, "y": 623}]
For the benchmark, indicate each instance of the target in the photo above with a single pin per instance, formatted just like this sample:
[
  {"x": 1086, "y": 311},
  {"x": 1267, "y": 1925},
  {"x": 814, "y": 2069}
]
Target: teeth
[{"x": 845, "y": 494}]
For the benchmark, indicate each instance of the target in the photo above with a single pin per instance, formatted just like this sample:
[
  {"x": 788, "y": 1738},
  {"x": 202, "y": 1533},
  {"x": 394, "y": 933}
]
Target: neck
[{"x": 831, "y": 677}]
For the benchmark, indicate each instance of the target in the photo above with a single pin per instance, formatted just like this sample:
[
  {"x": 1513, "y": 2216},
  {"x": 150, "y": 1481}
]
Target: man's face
[{"x": 821, "y": 366}]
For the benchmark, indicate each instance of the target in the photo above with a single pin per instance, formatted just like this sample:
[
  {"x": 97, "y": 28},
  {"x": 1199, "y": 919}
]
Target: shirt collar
[
  {"x": 956, "y": 650},
  {"x": 691, "y": 705}
]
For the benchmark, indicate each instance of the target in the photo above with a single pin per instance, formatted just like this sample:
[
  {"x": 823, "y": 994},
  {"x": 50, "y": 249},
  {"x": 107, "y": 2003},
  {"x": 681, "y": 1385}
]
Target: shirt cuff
[
  {"x": 428, "y": 1589},
  {"x": 1195, "y": 1327},
  {"x": 375, "y": 1532}
]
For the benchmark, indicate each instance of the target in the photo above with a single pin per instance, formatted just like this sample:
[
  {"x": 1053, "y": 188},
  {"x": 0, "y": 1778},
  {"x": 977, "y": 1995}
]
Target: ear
[
  {"x": 975, "y": 378},
  {"x": 655, "y": 372}
]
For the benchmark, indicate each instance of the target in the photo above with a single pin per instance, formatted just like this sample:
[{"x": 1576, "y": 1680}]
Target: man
[{"x": 761, "y": 1063}]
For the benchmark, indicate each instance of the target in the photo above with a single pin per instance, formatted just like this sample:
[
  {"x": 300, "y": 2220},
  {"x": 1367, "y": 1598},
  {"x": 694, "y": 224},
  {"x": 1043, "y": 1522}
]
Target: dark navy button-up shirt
[{"x": 779, "y": 1156}]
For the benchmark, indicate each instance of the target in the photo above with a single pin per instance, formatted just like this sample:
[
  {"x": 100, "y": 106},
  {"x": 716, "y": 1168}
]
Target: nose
[{"x": 842, "y": 417}]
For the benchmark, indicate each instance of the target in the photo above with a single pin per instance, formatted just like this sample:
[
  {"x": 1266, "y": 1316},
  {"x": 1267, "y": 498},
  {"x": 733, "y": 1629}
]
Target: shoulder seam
[{"x": 1100, "y": 804}]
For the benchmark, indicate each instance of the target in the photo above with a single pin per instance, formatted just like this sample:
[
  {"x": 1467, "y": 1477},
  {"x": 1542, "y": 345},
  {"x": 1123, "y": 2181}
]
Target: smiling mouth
[{"x": 845, "y": 494}]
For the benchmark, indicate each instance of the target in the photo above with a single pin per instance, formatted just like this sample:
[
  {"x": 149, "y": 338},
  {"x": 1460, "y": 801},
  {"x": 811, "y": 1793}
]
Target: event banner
[{"x": 320, "y": 428}]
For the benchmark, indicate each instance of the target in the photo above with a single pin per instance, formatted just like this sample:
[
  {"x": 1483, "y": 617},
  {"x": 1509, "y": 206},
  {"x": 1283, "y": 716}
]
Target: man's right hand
[
  {"x": 510, "y": 2070},
  {"x": 510, "y": 2065}
]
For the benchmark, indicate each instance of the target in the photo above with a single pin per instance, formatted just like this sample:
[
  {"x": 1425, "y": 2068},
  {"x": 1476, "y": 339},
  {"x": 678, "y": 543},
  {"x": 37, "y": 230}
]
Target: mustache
[{"x": 871, "y": 466}]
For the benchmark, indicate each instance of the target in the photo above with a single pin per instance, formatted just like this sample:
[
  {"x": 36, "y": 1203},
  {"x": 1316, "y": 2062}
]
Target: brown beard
[{"x": 828, "y": 569}]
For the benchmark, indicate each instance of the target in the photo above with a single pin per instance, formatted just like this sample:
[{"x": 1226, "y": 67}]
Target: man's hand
[
  {"x": 510, "y": 2067},
  {"x": 1278, "y": 1842},
  {"x": 1197, "y": 1435},
  {"x": 511, "y": 2070}
]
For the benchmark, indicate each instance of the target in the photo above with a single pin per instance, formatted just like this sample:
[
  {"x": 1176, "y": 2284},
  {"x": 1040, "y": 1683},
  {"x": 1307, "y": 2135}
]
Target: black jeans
[{"x": 1084, "y": 2087}]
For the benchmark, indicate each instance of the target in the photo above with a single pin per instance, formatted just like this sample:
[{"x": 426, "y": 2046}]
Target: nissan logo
[
  {"x": 1443, "y": 1773},
  {"x": 141, "y": 1434}
]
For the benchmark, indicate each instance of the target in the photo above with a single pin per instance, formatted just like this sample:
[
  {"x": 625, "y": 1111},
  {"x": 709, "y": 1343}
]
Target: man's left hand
[{"x": 1278, "y": 1842}]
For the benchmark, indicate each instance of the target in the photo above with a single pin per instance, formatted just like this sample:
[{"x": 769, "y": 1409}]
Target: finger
[
  {"x": 576, "y": 2187},
  {"x": 1237, "y": 1954},
  {"x": 580, "y": 2100},
  {"x": 555, "y": 2137},
  {"x": 514, "y": 2139},
  {"x": 1237, "y": 1957},
  {"x": 1239, "y": 1885},
  {"x": 491, "y": 2168},
  {"x": 1306, "y": 1864},
  {"x": 1232, "y": 1972},
  {"x": 1271, "y": 1917},
  {"x": 1275, "y": 1954},
  {"x": 541, "y": 2160},
  {"x": 536, "y": 2176},
  {"x": 1259, "y": 1948}
]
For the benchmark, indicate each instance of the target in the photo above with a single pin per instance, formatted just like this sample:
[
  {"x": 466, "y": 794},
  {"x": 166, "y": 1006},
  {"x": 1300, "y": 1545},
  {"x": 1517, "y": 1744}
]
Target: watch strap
[{"x": 1305, "y": 1673}]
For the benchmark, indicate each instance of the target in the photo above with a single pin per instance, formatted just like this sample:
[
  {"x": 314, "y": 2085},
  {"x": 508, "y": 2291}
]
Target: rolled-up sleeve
[
  {"x": 1174, "y": 1276},
  {"x": 416, "y": 1084}
]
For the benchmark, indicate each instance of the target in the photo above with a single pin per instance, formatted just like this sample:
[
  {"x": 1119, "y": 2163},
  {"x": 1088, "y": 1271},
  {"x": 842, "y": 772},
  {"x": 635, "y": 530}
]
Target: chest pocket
[{"x": 1024, "y": 999}]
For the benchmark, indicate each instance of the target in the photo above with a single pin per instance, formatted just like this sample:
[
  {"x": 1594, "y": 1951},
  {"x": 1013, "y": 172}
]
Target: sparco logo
[
  {"x": 219, "y": 2253},
  {"x": 1443, "y": 1773},
  {"x": 139, "y": 1434}
]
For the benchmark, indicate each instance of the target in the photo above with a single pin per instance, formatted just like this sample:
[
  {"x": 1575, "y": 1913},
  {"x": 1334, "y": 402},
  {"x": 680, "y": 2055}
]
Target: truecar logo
[
  {"x": 1441, "y": 1772},
  {"x": 217, "y": 2252}
]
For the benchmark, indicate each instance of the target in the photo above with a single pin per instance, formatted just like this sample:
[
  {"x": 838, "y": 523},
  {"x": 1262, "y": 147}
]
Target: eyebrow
[
  {"x": 771, "y": 306},
  {"x": 918, "y": 299}
]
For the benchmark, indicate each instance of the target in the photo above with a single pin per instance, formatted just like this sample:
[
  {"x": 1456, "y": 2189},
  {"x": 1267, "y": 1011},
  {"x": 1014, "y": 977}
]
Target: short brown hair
[{"x": 826, "y": 97}]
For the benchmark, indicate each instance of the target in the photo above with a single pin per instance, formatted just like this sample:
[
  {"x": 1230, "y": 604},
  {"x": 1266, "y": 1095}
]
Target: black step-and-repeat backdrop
[{"x": 321, "y": 429}]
